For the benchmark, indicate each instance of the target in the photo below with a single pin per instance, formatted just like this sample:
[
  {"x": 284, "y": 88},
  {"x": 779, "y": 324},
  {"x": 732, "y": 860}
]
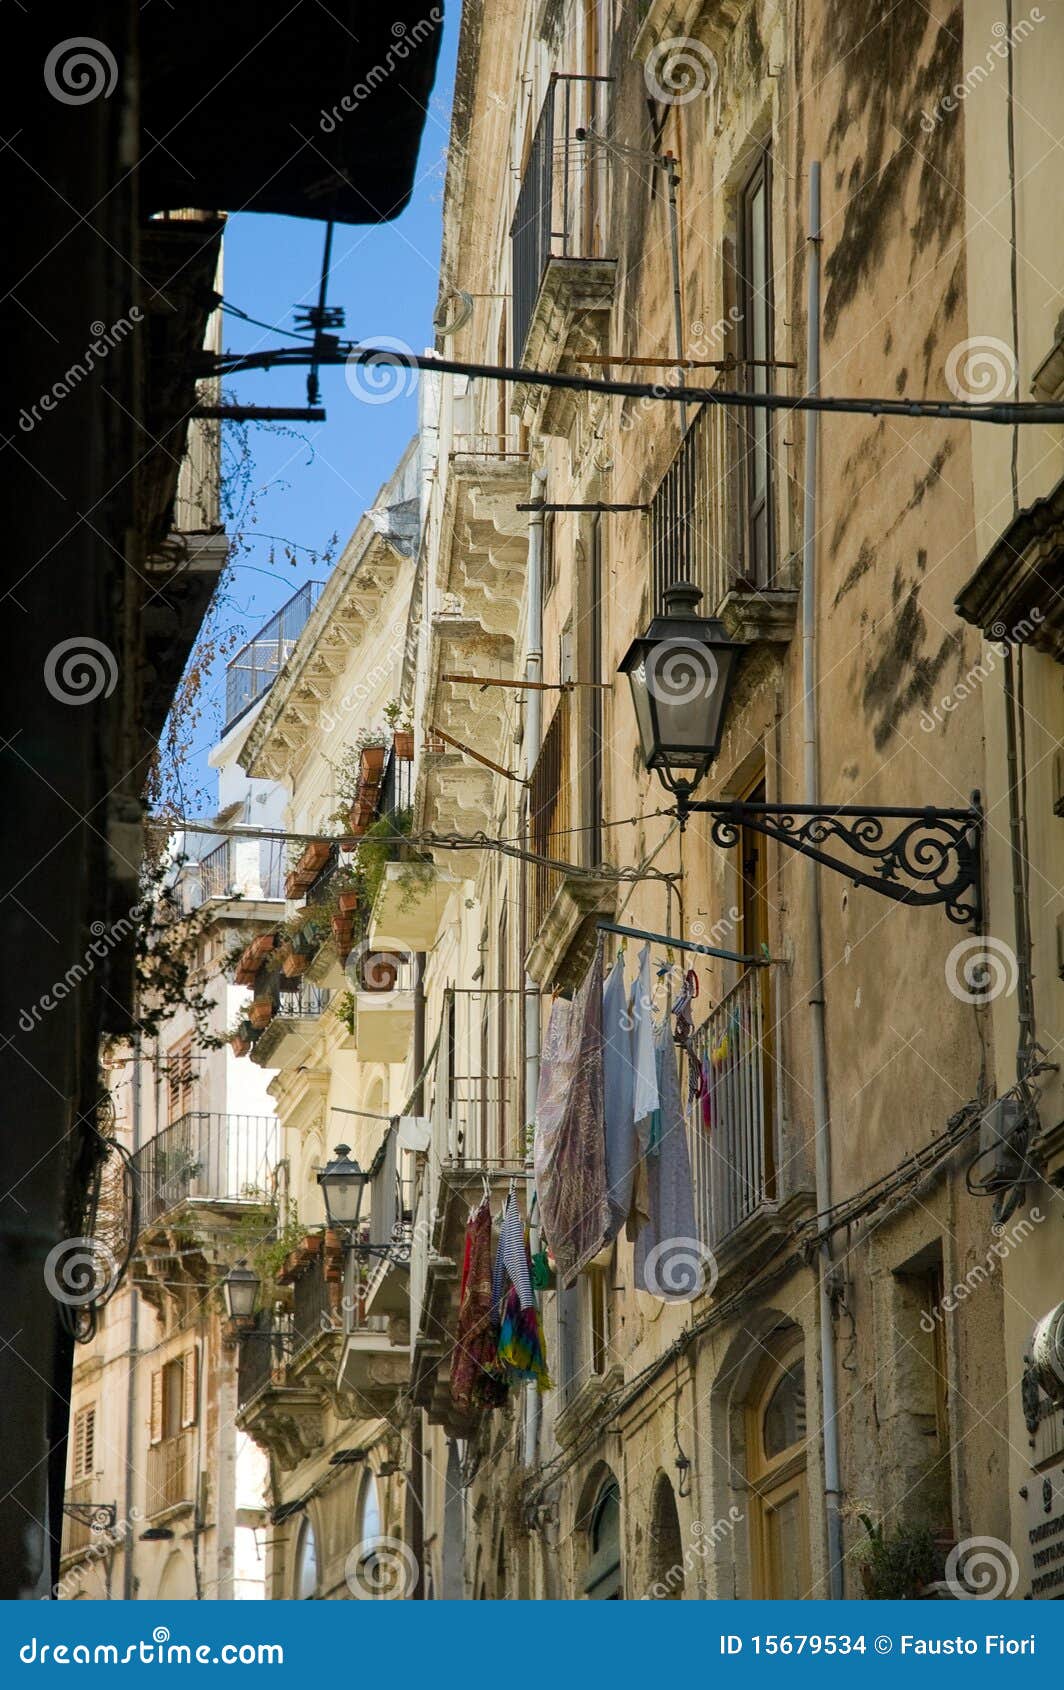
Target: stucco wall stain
[
  {"x": 904, "y": 675},
  {"x": 877, "y": 50}
]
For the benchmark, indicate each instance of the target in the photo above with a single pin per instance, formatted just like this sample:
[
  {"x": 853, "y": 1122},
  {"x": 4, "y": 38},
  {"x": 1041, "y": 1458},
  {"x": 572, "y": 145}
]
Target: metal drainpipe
[
  {"x": 533, "y": 736},
  {"x": 129, "y": 1536},
  {"x": 673, "y": 175},
  {"x": 821, "y": 1109}
]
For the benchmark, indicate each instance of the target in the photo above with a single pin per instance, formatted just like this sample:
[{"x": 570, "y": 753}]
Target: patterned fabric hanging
[{"x": 474, "y": 1365}]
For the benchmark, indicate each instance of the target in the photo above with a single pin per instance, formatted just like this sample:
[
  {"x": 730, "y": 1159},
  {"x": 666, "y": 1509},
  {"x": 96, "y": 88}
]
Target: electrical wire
[{"x": 1005, "y": 413}]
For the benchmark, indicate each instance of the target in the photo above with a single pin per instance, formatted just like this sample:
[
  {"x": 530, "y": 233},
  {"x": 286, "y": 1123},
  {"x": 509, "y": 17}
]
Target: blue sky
[{"x": 318, "y": 480}]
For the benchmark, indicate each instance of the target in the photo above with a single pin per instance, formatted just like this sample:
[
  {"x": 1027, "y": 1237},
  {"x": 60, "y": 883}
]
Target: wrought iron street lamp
[
  {"x": 681, "y": 673},
  {"x": 240, "y": 1288},
  {"x": 343, "y": 1184}
]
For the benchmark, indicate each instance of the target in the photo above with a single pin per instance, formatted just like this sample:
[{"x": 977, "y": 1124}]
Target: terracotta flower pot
[
  {"x": 261, "y": 1012},
  {"x": 294, "y": 964},
  {"x": 403, "y": 745},
  {"x": 348, "y": 902},
  {"x": 372, "y": 765},
  {"x": 240, "y": 1045}
]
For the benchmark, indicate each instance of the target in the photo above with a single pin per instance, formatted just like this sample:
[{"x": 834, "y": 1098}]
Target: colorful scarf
[{"x": 474, "y": 1378}]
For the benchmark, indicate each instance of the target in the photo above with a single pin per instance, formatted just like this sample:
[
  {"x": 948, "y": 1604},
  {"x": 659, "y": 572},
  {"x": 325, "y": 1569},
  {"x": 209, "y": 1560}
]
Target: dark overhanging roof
[{"x": 242, "y": 105}]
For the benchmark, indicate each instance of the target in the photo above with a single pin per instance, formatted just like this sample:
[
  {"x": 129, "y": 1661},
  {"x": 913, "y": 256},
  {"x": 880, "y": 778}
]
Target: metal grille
[
  {"x": 205, "y": 1155},
  {"x": 734, "y": 1163},
  {"x": 561, "y": 203},
  {"x": 550, "y": 813},
  {"x": 260, "y": 1355},
  {"x": 257, "y": 664},
  {"x": 313, "y": 1305},
  {"x": 700, "y": 530}
]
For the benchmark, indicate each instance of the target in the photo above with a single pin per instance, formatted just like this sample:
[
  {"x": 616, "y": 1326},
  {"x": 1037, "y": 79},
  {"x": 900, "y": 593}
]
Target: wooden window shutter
[
  {"x": 156, "y": 1432},
  {"x": 190, "y": 1387},
  {"x": 84, "y": 1442}
]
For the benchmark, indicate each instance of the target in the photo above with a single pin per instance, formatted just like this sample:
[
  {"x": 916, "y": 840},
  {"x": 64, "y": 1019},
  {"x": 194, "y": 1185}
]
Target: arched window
[
  {"x": 372, "y": 1576},
  {"x": 776, "y": 1462},
  {"x": 602, "y": 1582},
  {"x": 306, "y": 1579},
  {"x": 666, "y": 1545}
]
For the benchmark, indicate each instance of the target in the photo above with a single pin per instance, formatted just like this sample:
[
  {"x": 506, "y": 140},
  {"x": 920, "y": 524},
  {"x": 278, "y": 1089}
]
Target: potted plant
[
  {"x": 902, "y": 1566},
  {"x": 261, "y": 1012},
  {"x": 402, "y": 725}
]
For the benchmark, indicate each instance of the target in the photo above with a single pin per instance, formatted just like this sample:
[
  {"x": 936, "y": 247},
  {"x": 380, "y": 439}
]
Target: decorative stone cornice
[
  {"x": 1015, "y": 594},
  {"x": 571, "y": 320},
  {"x": 562, "y": 948},
  {"x": 287, "y": 1421}
]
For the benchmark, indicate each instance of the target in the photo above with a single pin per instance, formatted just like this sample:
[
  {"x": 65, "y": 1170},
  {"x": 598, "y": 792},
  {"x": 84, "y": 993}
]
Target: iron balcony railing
[
  {"x": 171, "y": 1473},
  {"x": 261, "y": 1353},
  {"x": 246, "y": 868},
  {"x": 77, "y": 1531},
  {"x": 734, "y": 1159},
  {"x": 314, "y": 1305},
  {"x": 561, "y": 205},
  {"x": 711, "y": 517},
  {"x": 256, "y": 665},
  {"x": 299, "y": 1000},
  {"x": 203, "y": 1155}
]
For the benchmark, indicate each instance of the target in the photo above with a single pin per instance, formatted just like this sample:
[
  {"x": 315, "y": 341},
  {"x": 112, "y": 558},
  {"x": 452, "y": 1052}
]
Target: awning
[{"x": 296, "y": 109}]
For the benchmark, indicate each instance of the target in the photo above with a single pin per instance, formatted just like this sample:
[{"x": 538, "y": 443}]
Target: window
[
  {"x": 374, "y": 1577},
  {"x": 179, "y": 1078},
  {"x": 602, "y": 1582},
  {"x": 84, "y": 1436},
  {"x": 756, "y": 343},
  {"x": 550, "y": 559},
  {"x": 306, "y": 1568},
  {"x": 174, "y": 1397},
  {"x": 776, "y": 1436}
]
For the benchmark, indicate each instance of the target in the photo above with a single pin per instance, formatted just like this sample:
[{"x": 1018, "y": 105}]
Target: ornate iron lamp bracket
[
  {"x": 930, "y": 856},
  {"x": 98, "y": 1516}
]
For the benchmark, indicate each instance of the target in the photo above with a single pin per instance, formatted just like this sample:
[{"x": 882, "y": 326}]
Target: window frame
[{"x": 758, "y": 434}]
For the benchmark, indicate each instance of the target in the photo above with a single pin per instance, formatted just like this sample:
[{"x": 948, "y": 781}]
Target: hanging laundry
[
  {"x": 474, "y": 1363},
  {"x": 670, "y": 1262},
  {"x": 569, "y": 1152},
  {"x": 645, "y": 1098},
  {"x": 622, "y": 1143},
  {"x": 521, "y": 1348}
]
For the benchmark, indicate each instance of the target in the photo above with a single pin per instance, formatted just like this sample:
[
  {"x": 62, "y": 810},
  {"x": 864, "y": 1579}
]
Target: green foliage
[
  {"x": 899, "y": 1567},
  {"x": 343, "y": 1007},
  {"x": 264, "y": 1244}
]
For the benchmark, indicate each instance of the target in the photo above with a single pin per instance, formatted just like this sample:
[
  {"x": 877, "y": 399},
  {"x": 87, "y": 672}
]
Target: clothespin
[{"x": 487, "y": 1188}]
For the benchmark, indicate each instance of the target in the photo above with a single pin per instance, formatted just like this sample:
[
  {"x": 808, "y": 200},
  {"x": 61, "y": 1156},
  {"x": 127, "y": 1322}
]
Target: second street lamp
[
  {"x": 681, "y": 673},
  {"x": 343, "y": 1184}
]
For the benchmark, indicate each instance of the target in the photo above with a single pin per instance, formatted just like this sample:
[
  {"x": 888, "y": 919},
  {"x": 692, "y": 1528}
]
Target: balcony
[
  {"x": 250, "y": 869},
  {"x": 79, "y": 1534},
  {"x": 747, "y": 1198},
  {"x": 563, "y": 280},
  {"x": 171, "y": 1476},
  {"x": 295, "y": 1026},
  {"x": 562, "y": 908},
  {"x": 256, "y": 665},
  {"x": 205, "y": 1157},
  {"x": 408, "y": 909},
  {"x": 712, "y": 519},
  {"x": 384, "y": 1017}
]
